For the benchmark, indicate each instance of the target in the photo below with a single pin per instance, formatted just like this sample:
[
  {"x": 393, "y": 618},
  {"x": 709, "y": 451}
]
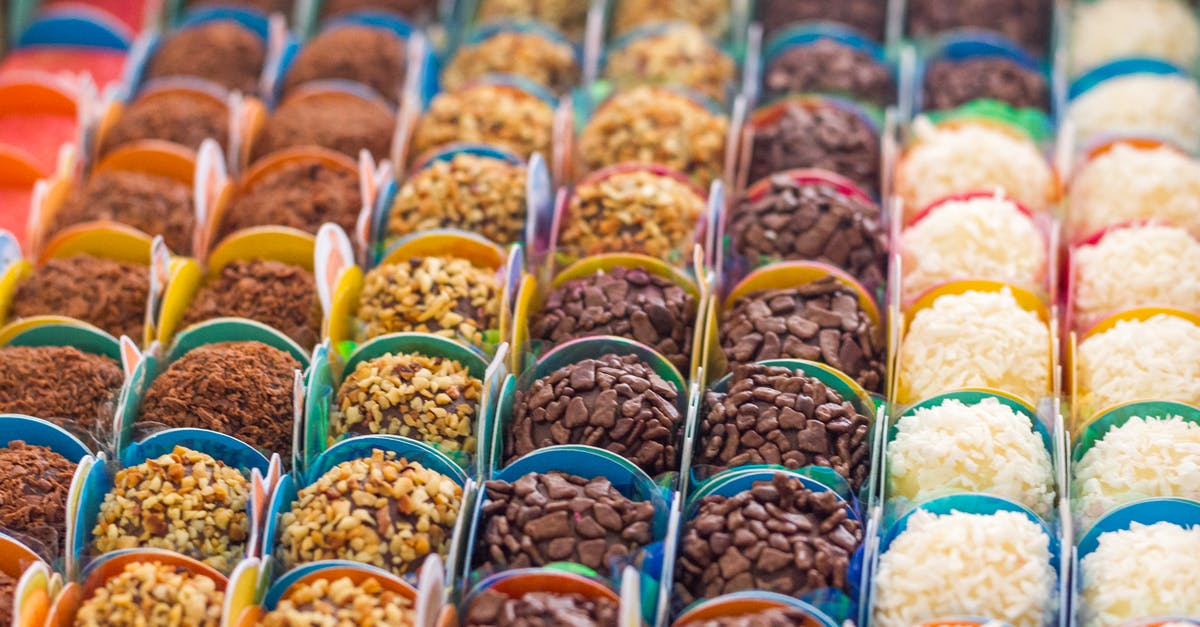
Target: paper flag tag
[
  {"x": 130, "y": 355},
  {"x": 332, "y": 255},
  {"x": 431, "y": 585}
]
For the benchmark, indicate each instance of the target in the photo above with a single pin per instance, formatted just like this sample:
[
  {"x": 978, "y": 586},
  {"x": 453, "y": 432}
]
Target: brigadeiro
[
  {"x": 710, "y": 15},
  {"x": 632, "y": 211},
  {"x": 558, "y": 517},
  {"x": 363, "y": 54},
  {"x": 614, "y": 402},
  {"x": 784, "y": 616},
  {"x": 382, "y": 510},
  {"x": 243, "y": 389},
  {"x": 1144, "y": 570},
  {"x": 817, "y": 135},
  {"x": 949, "y": 83},
  {"x": 104, "y": 292},
  {"x": 280, "y": 295},
  {"x": 773, "y": 415},
  {"x": 487, "y": 114},
  {"x": 1130, "y": 183},
  {"x": 672, "y": 54},
  {"x": 1026, "y": 22},
  {"x": 540, "y": 609},
  {"x": 266, "y": 6},
  {"x": 222, "y": 51},
  {"x": 474, "y": 193},
  {"x": 820, "y": 321},
  {"x": 1142, "y": 104},
  {"x": 1156, "y": 358},
  {"x": 34, "y": 481},
  {"x": 542, "y": 59},
  {"x": 324, "y": 601},
  {"x": 153, "y": 204},
  {"x": 1138, "y": 266},
  {"x": 625, "y": 302},
  {"x": 409, "y": 9},
  {"x": 184, "y": 118},
  {"x": 335, "y": 120},
  {"x": 153, "y": 504},
  {"x": 868, "y": 16},
  {"x": 832, "y": 67},
  {"x": 659, "y": 125},
  {"x": 303, "y": 194},
  {"x": 778, "y": 536},
  {"x": 145, "y": 593},
  {"x": 446, "y": 296},
  {"x": 8, "y": 594},
  {"x": 1108, "y": 30},
  {"x": 431, "y": 399},
  {"x": 811, "y": 220},
  {"x": 33, "y": 382},
  {"x": 567, "y": 16}
]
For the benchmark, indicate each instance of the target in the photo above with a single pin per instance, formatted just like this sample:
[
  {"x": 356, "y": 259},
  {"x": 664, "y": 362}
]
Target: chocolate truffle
[
  {"x": 656, "y": 125},
  {"x": 60, "y": 384},
  {"x": 710, "y": 15},
  {"x": 243, "y": 389},
  {"x": 410, "y": 9},
  {"x": 363, "y": 54},
  {"x": 811, "y": 221},
  {"x": 474, "y": 193},
  {"x": 612, "y": 402},
  {"x": 821, "y": 321},
  {"x": 184, "y": 118},
  {"x": 831, "y": 67},
  {"x": 156, "y": 205},
  {"x": 487, "y": 114},
  {"x": 303, "y": 194},
  {"x": 446, "y": 296},
  {"x": 183, "y": 501},
  {"x": 772, "y": 415},
  {"x": 107, "y": 293},
  {"x": 567, "y": 16},
  {"x": 678, "y": 55},
  {"x": 531, "y": 55},
  {"x": 432, "y": 399},
  {"x": 868, "y": 16},
  {"x": 823, "y": 136},
  {"x": 557, "y": 517},
  {"x": 334, "y": 120},
  {"x": 778, "y": 536},
  {"x": 625, "y": 302},
  {"x": 340, "y": 601},
  {"x": 1026, "y": 22},
  {"x": 635, "y": 211},
  {"x": 8, "y": 593},
  {"x": 277, "y": 294},
  {"x": 145, "y": 593},
  {"x": 33, "y": 495},
  {"x": 381, "y": 510},
  {"x": 221, "y": 51},
  {"x": 949, "y": 84},
  {"x": 540, "y": 609},
  {"x": 266, "y": 6}
]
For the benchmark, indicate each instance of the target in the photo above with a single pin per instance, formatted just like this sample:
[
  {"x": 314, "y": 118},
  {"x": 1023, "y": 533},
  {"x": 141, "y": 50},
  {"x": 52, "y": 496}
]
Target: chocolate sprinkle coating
[
  {"x": 949, "y": 84},
  {"x": 540, "y": 609},
  {"x": 613, "y": 402},
  {"x": 1026, "y": 22},
  {"x": 277, "y": 294},
  {"x": 154, "y": 204},
  {"x": 363, "y": 54},
  {"x": 107, "y": 293},
  {"x": 825, "y": 137},
  {"x": 778, "y": 536},
  {"x": 243, "y": 389},
  {"x": 544, "y": 518},
  {"x": 8, "y": 593},
  {"x": 222, "y": 51},
  {"x": 60, "y": 384},
  {"x": 830, "y": 67},
  {"x": 302, "y": 195},
  {"x": 182, "y": 118},
  {"x": 625, "y": 302},
  {"x": 34, "y": 481},
  {"x": 868, "y": 16},
  {"x": 821, "y": 321},
  {"x": 811, "y": 221},
  {"x": 772, "y": 415},
  {"x": 332, "y": 120}
]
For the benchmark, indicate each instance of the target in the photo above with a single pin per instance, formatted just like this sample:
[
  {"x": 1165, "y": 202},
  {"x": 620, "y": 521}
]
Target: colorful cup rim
[
  {"x": 978, "y": 43},
  {"x": 741, "y": 603},
  {"x": 485, "y": 253},
  {"x": 732, "y": 481},
  {"x": 250, "y": 330},
  {"x": 358, "y": 572},
  {"x": 561, "y": 357},
  {"x": 804, "y": 176},
  {"x": 745, "y": 287},
  {"x": 448, "y": 152},
  {"x": 1146, "y": 511},
  {"x": 1026, "y": 299},
  {"x": 627, "y": 167},
  {"x": 970, "y": 396},
  {"x": 1121, "y": 68},
  {"x": 482, "y": 32},
  {"x": 351, "y": 449},
  {"x": 520, "y": 86},
  {"x": 768, "y": 113},
  {"x": 966, "y": 503},
  {"x": 1139, "y": 314},
  {"x": 809, "y": 32},
  {"x": 641, "y": 487},
  {"x": 438, "y": 346},
  {"x": 39, "y": 432},
  {"x": 603, "y": 263},
  {"x": 966, "y": 197},
  {"x": 848, "y": 388},
  {"x": 563, "y": 582},
  {"x": 281, "y": 158},
  {"x": 1094, "y": 431}
]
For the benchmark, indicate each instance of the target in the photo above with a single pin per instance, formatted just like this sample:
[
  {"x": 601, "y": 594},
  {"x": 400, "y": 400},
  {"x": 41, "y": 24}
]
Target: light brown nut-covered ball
[
  {"x": 183, "y": 501},
  {"x": 487, "y": 114},
  {"x": 380, "y": 510},
  {"x": 568, "y": 16},
  {"x": 680, "y": 55},
  {"x": 474, "y": 193},
  {"x": 341, "y": 602},
  {"x": 531, "y": 55},
  {"x": 656, "y": 125},
  {"x": 632, "y": 212},
  {"x": 432, "y": 399},
  {"x": 446, "y": 296},
  {"x": 153, "y": 593},
  {"x": 711, "y": 15}
]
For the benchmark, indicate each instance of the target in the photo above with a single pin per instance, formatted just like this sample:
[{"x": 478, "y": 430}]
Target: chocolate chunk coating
[
  {"x": 540, "y": 609},
  {"x": 612, "y": 402},
  {"x": 828, "y": 66},
  {"x": 221, "y": 51},
  {"x": 779, "y": 536},
  {"x": 772, "y": 415},
  {"x": 949, "y": 84},
  {"x": 824, "y": 137},
  {"x": 107, "y": 293},
  {"x": 1026, "y": 22},
  {"x": 868, "y": 16}
]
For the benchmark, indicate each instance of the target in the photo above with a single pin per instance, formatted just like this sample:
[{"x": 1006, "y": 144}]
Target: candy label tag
[{"x": 333, "y": 254}]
